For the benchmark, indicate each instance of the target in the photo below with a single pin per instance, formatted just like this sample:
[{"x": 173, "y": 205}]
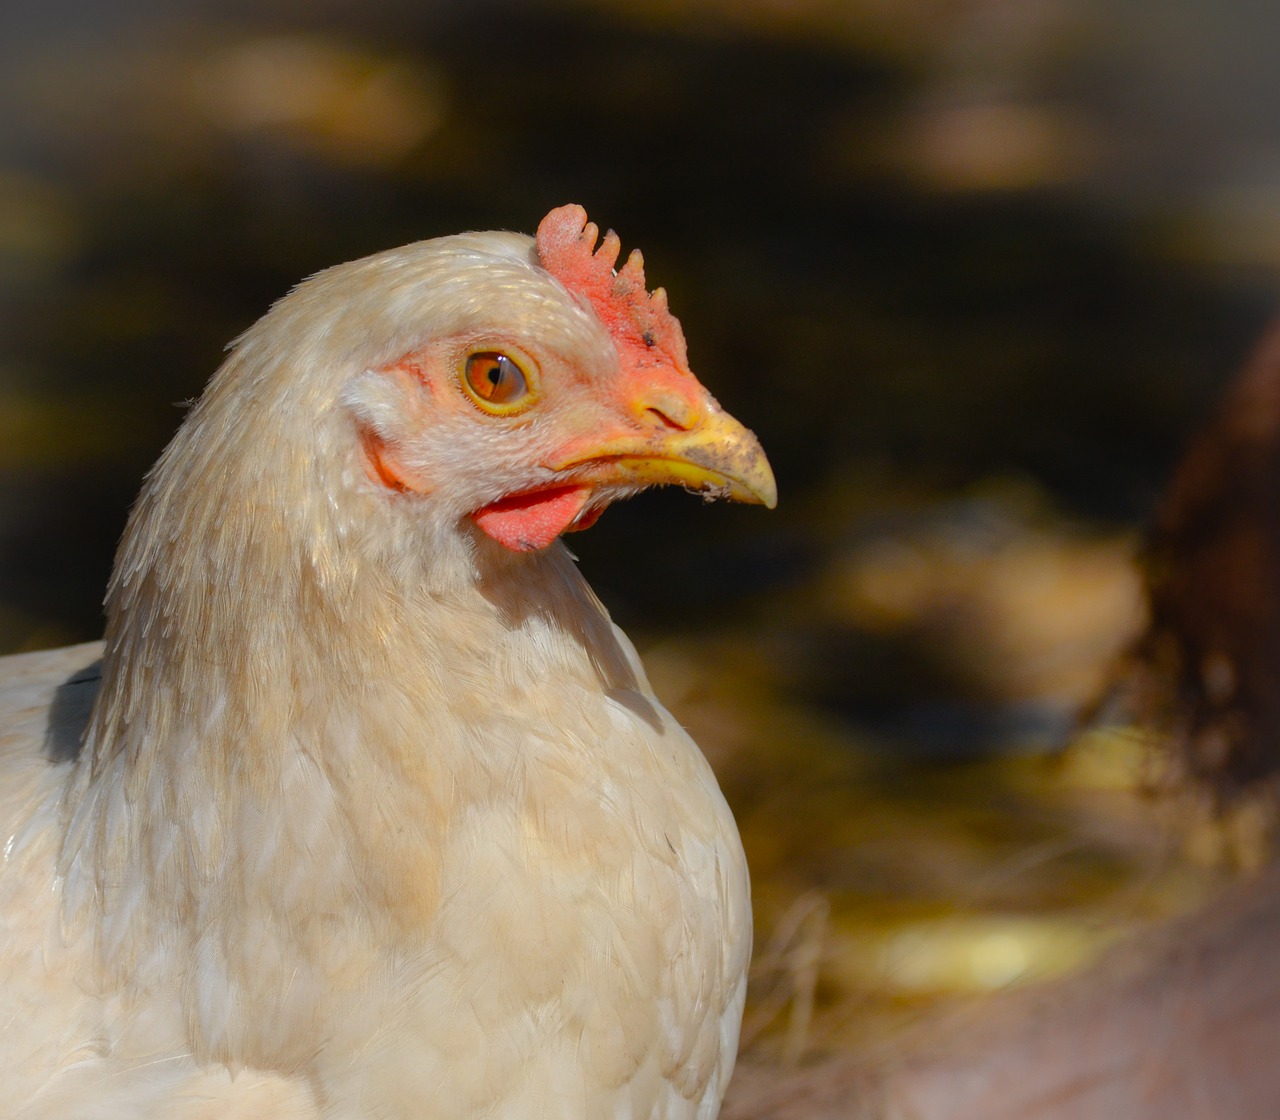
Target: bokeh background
[{"x": 972, "y": 269}]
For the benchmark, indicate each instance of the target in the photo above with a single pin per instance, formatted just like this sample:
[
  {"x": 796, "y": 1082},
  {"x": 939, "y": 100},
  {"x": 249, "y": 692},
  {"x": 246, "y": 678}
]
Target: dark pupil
[{"x": 496, "y": 372}]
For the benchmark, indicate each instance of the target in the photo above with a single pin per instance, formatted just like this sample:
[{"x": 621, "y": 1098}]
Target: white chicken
[{"x": 375, "y": 814}]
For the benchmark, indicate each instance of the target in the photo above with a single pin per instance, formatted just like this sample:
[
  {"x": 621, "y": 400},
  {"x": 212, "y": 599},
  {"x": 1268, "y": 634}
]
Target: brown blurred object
[
  {"x": 1181, "y": 1025},
  {"x": 1182, "y": 1021},
  {"x": 1209, "y": 665}
]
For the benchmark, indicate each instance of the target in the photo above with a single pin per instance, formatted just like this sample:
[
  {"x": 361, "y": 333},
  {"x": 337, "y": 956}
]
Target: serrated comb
[{"x": 644, "y": 331}]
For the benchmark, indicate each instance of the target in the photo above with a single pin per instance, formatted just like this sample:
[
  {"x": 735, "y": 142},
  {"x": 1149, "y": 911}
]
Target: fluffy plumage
[{"x": 375, "y": 814}]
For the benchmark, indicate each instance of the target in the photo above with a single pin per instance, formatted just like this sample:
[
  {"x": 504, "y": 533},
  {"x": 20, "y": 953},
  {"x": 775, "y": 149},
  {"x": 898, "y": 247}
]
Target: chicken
[{"x": 374, "y": 813}]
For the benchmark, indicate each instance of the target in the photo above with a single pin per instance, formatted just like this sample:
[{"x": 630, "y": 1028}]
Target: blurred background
[{"x": 973, "y": 270}]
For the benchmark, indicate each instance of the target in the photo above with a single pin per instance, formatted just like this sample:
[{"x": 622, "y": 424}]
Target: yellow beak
[{"x": 713, "y": 455}]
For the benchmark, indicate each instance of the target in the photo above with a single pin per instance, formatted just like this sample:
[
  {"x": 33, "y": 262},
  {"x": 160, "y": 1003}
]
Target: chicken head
[{"x": 553, "y": 397}]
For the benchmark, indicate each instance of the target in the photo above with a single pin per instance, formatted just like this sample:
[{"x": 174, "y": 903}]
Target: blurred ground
[{"x": 972, "y": 271}]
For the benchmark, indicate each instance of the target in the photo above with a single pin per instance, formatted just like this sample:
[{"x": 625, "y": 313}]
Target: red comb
[{"x": 644, "y": 331}]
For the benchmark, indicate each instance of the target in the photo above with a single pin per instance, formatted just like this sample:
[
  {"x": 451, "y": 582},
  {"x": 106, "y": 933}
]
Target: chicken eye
[{"x": 495, "y": 379}]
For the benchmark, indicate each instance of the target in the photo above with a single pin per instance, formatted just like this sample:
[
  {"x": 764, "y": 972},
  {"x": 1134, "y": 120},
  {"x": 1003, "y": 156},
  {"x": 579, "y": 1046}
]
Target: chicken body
[{"x": 375, "y": 813}]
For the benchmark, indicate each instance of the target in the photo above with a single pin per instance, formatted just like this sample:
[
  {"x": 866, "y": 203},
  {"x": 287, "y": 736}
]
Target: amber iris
[{"x": 496, "y": 379}]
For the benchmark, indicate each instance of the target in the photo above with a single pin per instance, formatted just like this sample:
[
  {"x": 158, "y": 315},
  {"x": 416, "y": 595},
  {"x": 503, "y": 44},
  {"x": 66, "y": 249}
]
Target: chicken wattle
[{"x": 364, "y": 808}]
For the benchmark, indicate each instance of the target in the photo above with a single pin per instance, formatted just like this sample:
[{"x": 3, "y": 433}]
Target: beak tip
[
  {"x": 764, "y": 490},
  {"x": 733, "y": 468},
  {"x": 756, "y": 483}
]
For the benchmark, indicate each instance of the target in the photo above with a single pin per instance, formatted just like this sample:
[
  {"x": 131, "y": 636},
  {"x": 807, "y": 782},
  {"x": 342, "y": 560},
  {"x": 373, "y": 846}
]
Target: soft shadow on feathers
[{"x": 69, "y": 713}]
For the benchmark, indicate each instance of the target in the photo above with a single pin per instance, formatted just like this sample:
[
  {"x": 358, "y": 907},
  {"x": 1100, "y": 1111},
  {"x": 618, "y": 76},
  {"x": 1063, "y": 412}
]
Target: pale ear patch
[
  {"x": 386, "y": 405},
  {"x": 388, "y": 399},
  {"x": 380, "y": 465}
]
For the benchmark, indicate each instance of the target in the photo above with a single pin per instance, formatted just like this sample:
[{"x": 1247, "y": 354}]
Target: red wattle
[
  {"x": 586, "y": 520},
  {"x": 525, "y": 522}
]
